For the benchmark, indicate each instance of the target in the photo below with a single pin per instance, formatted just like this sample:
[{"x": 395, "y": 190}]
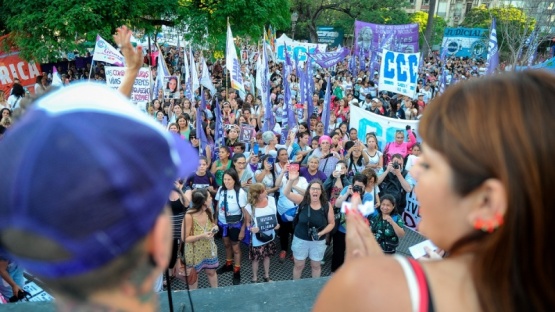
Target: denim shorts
[{"x": 303, "y": 249}]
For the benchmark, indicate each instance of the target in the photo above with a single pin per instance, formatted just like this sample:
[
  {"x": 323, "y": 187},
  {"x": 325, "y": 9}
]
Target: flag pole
[
  {"x": 90, "y": 72},
  {"x": 225, "y": 77}
]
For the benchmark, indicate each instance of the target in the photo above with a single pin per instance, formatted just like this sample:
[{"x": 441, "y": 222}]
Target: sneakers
[
  {"x": 224, "y": 269},
  {"x": 282, "y": 256},
  {"x": 237, "y": 278}
]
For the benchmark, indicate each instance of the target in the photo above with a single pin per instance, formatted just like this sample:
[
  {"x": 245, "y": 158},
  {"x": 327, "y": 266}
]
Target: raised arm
[
  {"x": 296, "y": 198},
  {"x": 133, "y": 59}
]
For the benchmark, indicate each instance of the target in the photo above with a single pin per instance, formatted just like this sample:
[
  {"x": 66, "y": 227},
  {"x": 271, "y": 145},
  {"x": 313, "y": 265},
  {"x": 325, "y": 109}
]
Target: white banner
[
  {"x": 300, "y": 48},
  {"x": 384, "y": 127},
  {"x": 399, "y": 72},
  {"x": 104, "y": 52},
  {"x": 141, "y": 87}
]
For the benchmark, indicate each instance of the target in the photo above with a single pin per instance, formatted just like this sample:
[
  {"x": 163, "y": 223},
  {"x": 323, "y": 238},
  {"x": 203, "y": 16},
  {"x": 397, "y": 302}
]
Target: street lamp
[{"x": 294, "y": 19}]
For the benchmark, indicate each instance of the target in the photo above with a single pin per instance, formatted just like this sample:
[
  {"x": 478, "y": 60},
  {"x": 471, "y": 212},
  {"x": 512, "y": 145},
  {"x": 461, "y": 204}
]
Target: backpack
[
  {"x": 235, "y": 218},
  {"x": 298, "y": 212}
]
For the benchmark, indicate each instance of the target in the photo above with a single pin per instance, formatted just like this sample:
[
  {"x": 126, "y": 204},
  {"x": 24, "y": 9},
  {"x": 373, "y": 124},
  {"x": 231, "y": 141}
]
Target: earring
[{"x": 489, "y": 225}]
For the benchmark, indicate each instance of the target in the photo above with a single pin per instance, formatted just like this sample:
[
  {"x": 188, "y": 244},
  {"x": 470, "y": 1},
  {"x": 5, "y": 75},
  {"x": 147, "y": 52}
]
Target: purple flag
[
  {"x": 362, "y": 60},
  {"x": 269, "y": 120},
  {"x": 326, "y": 112},
  {"x": 201, "y": 135},
  {"x": 329, "y": 59},
  {"x": 493, "y": 50},
  {"x": 219, "y": 135},
  {"x": 289, "y": 112}
]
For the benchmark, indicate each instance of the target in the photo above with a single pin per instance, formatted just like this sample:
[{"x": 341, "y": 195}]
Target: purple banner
[
  {"x": 328, "y": 59},
  {"x": 375, "y": 37}
]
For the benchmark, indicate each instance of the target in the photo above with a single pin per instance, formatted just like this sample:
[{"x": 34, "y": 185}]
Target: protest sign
[
  {"x": 399, "y": 72},
  {"x": 374, "y": 37},
  {"x": 266, "y": 223},
  {"x": 411, "y": 212},
  {"x": 301, "y": 49},
  {"x": 171, "y": 87},
  {"x": 247, "y": 133},
  {"x": 141, "y": 87},
  {"x": 384, "y": 127},
  {"x": 11, "y": 67},
  {"x": 330, "y": 35},
  {"x": 465, "y": 42}
]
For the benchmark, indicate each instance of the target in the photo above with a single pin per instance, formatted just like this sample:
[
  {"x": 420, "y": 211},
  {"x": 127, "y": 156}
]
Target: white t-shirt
[
  {"x": 284, "y": 203},
  {"x": 260, "y": 215},
  {"x": 232, "y": 207},
  {"x": 268, "y": 180}
]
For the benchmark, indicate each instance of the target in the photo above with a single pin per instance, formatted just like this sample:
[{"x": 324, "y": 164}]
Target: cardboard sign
[
  {"x": 141, "y": 87},
  {"x": 266, "y": 223},
  {"x": 399, "y": 72},
  {"x": 247, "y": 133}
]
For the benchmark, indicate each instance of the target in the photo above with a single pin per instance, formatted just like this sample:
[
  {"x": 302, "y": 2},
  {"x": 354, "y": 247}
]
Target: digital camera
[
  {"x": 396, "y": 165},
  {"x": 313, "y": 233},
  {"x": 357, "y": 189}
]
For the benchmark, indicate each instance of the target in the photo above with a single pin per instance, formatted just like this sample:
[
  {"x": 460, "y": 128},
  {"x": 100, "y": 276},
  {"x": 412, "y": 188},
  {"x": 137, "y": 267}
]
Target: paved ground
[{"x": 282, "y": 271}]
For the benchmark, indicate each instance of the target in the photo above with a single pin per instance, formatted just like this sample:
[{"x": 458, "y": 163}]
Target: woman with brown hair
[
  {"x": 199, "y": 227},
  {"x": 261, "y": 214},
  {"x": 490, "y": 213}
]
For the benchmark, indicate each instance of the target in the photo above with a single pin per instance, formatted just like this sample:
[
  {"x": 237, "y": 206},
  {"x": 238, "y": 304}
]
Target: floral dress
[
  {"x": 384, "y": 232},
  {"x": 202, "y": 254}
]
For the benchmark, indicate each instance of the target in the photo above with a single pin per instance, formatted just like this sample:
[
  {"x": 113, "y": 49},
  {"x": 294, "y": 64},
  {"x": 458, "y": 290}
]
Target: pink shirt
[{"x": 393, "y": 148}]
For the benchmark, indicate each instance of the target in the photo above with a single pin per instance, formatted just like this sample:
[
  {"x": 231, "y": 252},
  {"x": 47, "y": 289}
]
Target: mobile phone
[
  {"x": 338, "y": 167},
  {"x": 271, "y": 160},
  {"x": 255, "y": 148},
  {"x": 214, "y": 230},
  {"x": 294, "y": 167}
]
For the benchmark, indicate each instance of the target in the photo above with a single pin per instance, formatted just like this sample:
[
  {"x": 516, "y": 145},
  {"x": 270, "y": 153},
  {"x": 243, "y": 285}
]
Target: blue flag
[
  {"x": 326, "y": 112},
  {"x": 493, "y": 50}
]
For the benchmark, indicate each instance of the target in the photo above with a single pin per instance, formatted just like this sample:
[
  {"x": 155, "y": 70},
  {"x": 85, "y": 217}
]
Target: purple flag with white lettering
[
  {"x": 326, "y": 112},
  {"x": 493, "y": 50},
  {"x": 329, "y": 59},
  {"x": 219, "y": 133}
]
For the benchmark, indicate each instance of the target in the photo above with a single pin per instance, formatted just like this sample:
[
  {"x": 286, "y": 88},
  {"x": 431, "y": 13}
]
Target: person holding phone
[
  {"x": 246, "y": 176},
  {"x": 267, "y": 175},
  {"x": 199, "y": 227}
]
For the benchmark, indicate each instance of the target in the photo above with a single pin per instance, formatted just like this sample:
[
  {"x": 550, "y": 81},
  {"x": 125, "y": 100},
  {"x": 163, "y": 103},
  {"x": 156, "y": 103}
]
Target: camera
[
  {"x": 313, "y": 233},
  {"x": 22, "y": 294},
  {"x": 396, "y": 165},
  {"x": 357, "y": 189}
]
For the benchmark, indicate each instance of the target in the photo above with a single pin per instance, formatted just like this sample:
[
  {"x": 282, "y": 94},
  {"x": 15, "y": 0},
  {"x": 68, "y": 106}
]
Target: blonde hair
[{"x": 254, "y": 193}]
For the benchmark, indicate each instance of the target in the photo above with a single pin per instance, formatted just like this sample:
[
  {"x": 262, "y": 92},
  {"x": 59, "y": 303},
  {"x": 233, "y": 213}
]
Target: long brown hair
[
  {"x": 499, "y": 127},
  {"x": 198, "y": 198},
  {"x": 254, "y": 192}
]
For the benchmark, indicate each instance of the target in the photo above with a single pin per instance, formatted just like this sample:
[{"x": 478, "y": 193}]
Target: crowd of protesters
[{"x": 301, "y": 179}]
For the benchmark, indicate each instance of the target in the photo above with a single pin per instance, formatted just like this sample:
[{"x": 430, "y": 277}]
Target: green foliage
[
  {"x": 421, "y": 18},
  {"x": 343, "y": 13},
  {"x": 207, "y": 20},
  {"x": 43, "y": 29},
  {"x": 512, "y": 24}
]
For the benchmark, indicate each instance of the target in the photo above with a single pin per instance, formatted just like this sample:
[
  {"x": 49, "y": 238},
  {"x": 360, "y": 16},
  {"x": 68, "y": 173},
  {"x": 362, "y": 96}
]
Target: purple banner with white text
[
  {"x": 373, "y": 38},
  {"x": 328, "y": 59}
]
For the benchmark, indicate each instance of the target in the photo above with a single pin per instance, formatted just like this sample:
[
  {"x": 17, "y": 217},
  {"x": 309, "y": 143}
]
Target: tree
[
  {"x": 421, "y": 18},
  {"x": 515, "y": 28},
  {"x": 205, "y": 21},
  {"x": 373, "y": 11},
  {"x": 429, "y": 26},
  {"x": 42, "y": 31}
]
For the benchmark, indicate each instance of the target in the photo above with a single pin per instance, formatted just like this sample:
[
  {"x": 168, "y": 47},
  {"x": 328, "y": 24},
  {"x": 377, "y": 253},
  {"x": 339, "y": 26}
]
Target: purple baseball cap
[{"x": 87, "y": 170}]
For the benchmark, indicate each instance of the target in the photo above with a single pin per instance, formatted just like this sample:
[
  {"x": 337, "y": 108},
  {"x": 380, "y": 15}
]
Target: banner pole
[{"x": 90, "y": 72}]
